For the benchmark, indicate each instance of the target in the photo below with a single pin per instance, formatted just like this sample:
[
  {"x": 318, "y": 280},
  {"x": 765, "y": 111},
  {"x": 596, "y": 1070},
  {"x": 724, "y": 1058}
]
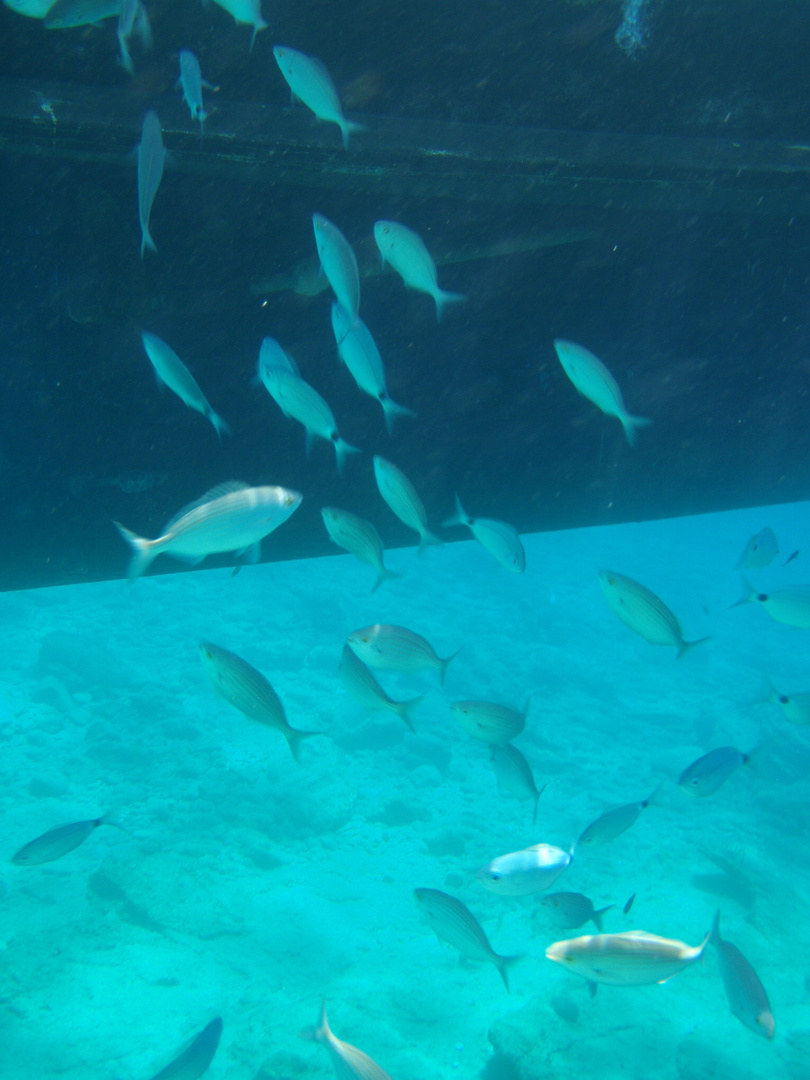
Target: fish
[
  {"x": 746, "y": 995},
  {"x": 704, "y": 776},
  {"x": 272, "y": 357},
  {"x": 302, "y": 402},
  {"x": 249, "y": 691},
  {"x": 570, "y": 910},
  {"x": 789, "y": 606},
  {"x": 69, "y": 14},
  {"x": 400, "y": 494},
  {"x": 229, "y": 517},
  {"x": 311, "y": 83},
  {"x": 490, "y": 722},
  {"x": 497, "y": 537},
  {"x": 634, "y": 958},
  {"x": 358, "y": 351},
  {"x": 405, "y": 251},
  {"x": 132, "y": 19},
  {"x": 151, "y": 159},
  {"x": 759, "y": 552},
  {"x": 191, "y": 83},
  {"x": 453, "y": 922},
  {"x": 514, "y": 775},
  {"x": 796, "y": 707},
  {"x": 57, "y": 842},
  {"x": 246, "y": 12},
  {"x": 521, "y": 873},
  {"x": 644, "y": 612},
  {"x": 628, "y": 904},
  {"x": 339, "y": 265},
  {"x": 197, "y": 1056},
  {"x": 614, "y": 822},
  {"x": 172, "y": 372},
  {"x": 394, "y": 648},
  {"x": 593, "y": 380},
  {"x": 349, "y": 1062},
  {"x": 359, "y": 537},
  {"x": 367, "y": 692},
  {"x": 793, "y": 555},
  {"x": 34, "y": 9}
]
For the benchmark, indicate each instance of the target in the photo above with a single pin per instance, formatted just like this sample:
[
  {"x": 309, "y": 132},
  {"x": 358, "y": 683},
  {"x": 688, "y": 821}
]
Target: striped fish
[
  {"x": 643, "y": 611},
  {"x": 401, "y": 496},
  {"x": 367, "y": 692},
  {"x": 58, "y": 842},
  {"x": 635, "y": 958},
  {"x": 513, "y": 775},
  {"x": 349, "y": 1062},
  {"x": 197, "y": 1056},
  {"x": 248, "y": 691},
  {"x": 394, "y": 648},
  {"x": 454, "y": 923},
  {"x": 489, "y": 722},
  {"x": 746, "y": 994},
  {"x": 359, "y": 537}
]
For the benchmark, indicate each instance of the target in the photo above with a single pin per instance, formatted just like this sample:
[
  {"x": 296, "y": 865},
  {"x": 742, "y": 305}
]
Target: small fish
[
  {"x": 249, "y": 691},
  {"x": 367, "y": 692},
  {"x": 197, "y": 1056},
  {"x": 338, "y": 264},
  {"x": 151, "y": 159},
  {"x": 358, "y": 351},
  {"x": 496, "y": 537},
  {"x": 796, "y": 707},
  {"x": 273, "y": 358},
  {"x": 191, "y": 82},
  {"x": 634, "y": 958},
  {"x": 393, "y": 648},
  {"x": 628, "y": 904},
  {"x": 570, "y": 910},
  {"x": 521, "y": 873},
  {"x": 760, "y": 551},
  {"x": 311, "y": 84},
  {"x": 302, "y": 402},
  {"x": 246, "y": 12},
  {"x": 58, "y": 842},
  {"x": 644, "y": 612},
  {"x": 793, "y": 555},
  {"x": 614, "y": 822},
  {"x": 704, "y": 776},
  {"x": 454, "y": 923},
  {"x": 229, "y": 517},
  {"x": 132, "y": 19},
  {"x": 359, "y": 537},
  {"x": 400, "y": 494},
  {"x": 514, "y": 775},
  {"x": 746, "y": 994},
  {"x": 490, "y": 722},
  {"x": 349, "y": 1062},
  {"x": 790, "y": 606},
  {"x": 405, "y": 251},
  {"x": 171, "y": 371},
  {"x": 69, "y": 14},
  {"x": 593, "y": 380}
]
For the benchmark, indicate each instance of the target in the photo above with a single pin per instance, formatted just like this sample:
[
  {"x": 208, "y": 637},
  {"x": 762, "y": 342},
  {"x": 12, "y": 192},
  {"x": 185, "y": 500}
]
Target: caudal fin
[
  {"x": 391, "y": 411},
  {"x": 444, "y": 664},
  {"x": 220, "y": 425},
  {"x": 403, "y": 710},
  {"x": 631, "y": 425},
  {"x": 384, "y": 575},
  {"x": 597, "y": 916},
  {"x": 503, "y": 964},
  {"x": 295, "y": 738},
  {"x": 685, "y": 646},
  {"x": 146, "y": 241},
  {"x": 143, "y": 552},
  {"x": 443, "y": 298},
  {"x": 347, "y": 127},
  {"x": 427, "y": 539},
  {"x": 460, "y": 517},
  {"x": 342, "y": 451}
]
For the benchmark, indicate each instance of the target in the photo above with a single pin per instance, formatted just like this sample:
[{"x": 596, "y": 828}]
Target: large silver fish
[
  {"x": 454, "y": 923},
  {"x": 229, "y": 517},
  {"x": 359, "y": 537},
  {"x": 197, "y": 1056},
  {"x": 746, "y": 994},
  {"x": 395, "y": 648},
  {"x": 760, "y": 551},
  {"x": 489, "y": 722},
  {"x": 643, "y": 611},
  {"x": 151, "y": 159},
  {"x": 593, "y": 380},
  {"x": 790, "y": 606},
  {"x": 405, "y": 251},
  {"x": 704, "y": 776},
  {"x": 367, "y": 692},
  {"x": 349, "y": 1062},
  {"x": 171, "y": 371},
  {"x": 614, "y": 822},
  {"x": 634, "y": 958},
  {"x": 311, "y": 83},
  {"x": 58, "y": 842},
  {"x": 249, "y": 691},
  {"x": 521, "y": 873},
  {"x": 497, "y": 537},
  {"x": 514, "y": 776},
  {"x": 401, "y": 496}
]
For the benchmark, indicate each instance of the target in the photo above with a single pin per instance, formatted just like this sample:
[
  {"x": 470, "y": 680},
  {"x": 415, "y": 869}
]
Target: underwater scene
[{"x": 405, "y": 483}]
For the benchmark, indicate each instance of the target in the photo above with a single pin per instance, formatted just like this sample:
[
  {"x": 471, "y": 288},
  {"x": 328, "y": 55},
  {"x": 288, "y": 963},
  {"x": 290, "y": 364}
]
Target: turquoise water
[{"x": 250, "y": 887}]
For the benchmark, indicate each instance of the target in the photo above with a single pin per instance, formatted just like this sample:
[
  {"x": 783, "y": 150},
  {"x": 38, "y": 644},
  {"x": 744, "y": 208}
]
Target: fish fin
[
  {"x": 685, "y": 646},
  {"x": 631, "y": 424},
  {"x": 220, "y": 425},
  {"x": 346, "y": 129},
  {"x": 714, "y": 933},
  {"x": 143, "y": 550},
  {"x": 216, "y": 492},
  {"x": 749, "y": 593},
  {"x": 446, "y": 663},
  {"x": 597, "y": 916},
  {"x": 592, "y": 988},
  {"x": 460, "y": 517},
  {"x": 443, "y": 298},
  {"x": 536, "y": 801},
  {"x": 427, "y": 539},
  {"x": 391, "y": 411},
  {"x": 342, "y": 451},
  {"x": 320, "y": 1032},
  {"x": 386, "y": 575},
  {"x": 125, "y": 60},
  {"x": 147, "y": 243},
  {"x": 403, "y": 710},
  {"x": 295, "y": 738},
  {"x": 258, "y": 26},
  {"x": 111, "y": 818},
  {"x": 309, "y": 438},
  {"x": 143, "y": 28},
  {"x": 652, "y": 799},
  {"x": 503, "y": 964}
]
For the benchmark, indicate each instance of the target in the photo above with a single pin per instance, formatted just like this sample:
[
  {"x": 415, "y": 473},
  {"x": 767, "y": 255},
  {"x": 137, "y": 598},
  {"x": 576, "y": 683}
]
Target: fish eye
[
  {"x": 694, "y": 781},
  {"x": 495, "y": 876},
  {"x": 784, "y": 700},
  {"x": 762, "y": 597}
]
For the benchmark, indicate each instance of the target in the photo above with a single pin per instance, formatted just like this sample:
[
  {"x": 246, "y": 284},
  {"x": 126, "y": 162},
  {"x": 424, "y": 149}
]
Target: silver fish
[
  {"x": 760, "y": 551},
  {"x": 704, "y": 776},
  {"x": 249, "y": 691},
  {"x": 302, "y": 402},
  {"x": 454, "y": 923},
  {"x": 570, "y": 910},
  {"x": 614, "y": 822},
  {"x": 349, "y": 1062},
  {"x": 229, "y": 517},
  {"x": 796, "y": 707},
  {"x": 151, "y": 159},
  {"x": 489, "y": 722},
  {"x": 593, "y": 380},
  {"x": 197, "y": 1056},
  {"x": 521, "y": 873},
  {"x": 746, "y": 994},
  {"x": 359, "y": 537},
  {"x": 514, "y": 775},
  {"x": 643, "y": 611},
  {"x": 339, "y": 264},
  {"x": 273, "y": 358},
  {"x": 58, "y": 842},
  {"x": 311, "y": 83},
  {"x": 634, "y": 958},
  {"x": 790, "y": 606},
  {"x": 496, "y": 537},
  {"x": 358, "y": 351},
  {"x": 405, "y": 251},
  {"x": 33, "y": 9},
  {"x": 367, "y": 692},
  {"x": 132, "y": 20},
  {"x": 191, "y": 82},
  {"x": 68, "y": 14},
  {"x": 394, "y": 648},
  {"x": 171, "y": 371},
  {"x": 246, "y": 12},
  {"x": 400, "y": 494}
]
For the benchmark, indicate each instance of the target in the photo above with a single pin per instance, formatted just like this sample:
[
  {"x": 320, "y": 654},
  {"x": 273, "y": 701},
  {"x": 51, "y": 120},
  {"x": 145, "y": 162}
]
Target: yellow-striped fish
[
  {"x": 349, "y": 1062},
  {"x": 643, "y": 611},
  {"x": 359, "y": 537},
  {"x": 634, "y": 958},
  {"x": 489, "y": 722},
  {"x": 395, "y": 648},
  {"x": 248, "y": 691},
  {"x": 367, "y": 692}
]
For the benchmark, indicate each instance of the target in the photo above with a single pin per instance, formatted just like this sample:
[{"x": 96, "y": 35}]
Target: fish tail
[
  {"x": 391, "y": 410},
  {"x": 426, "y": 539},
  {"x": 125, "y": 60},
  {"x": 460, "y": 517},
  {"x": 144, "y": 552},
  {"x": 503, "y": 964},
  {"x": 443, "y": 298},
  {"x": 147, "y": 243},
  {"x": 403, "y": 711},
  {"x": 536, "y": 801},
  {"x": 320, "y": 1032},
  {"x": 385, "y": 575},
  {"x": 295, "y": 738},
  {"x": 342, "y": 451},
  {"x": 597, "y": 916},
  {"x": 685, "y": 646},
  {"x": 749, "y": 593},
  {"x": 714, "y": 933},
  {"x": 444, "y": 664},
  {"x": 631, "y": 425},
  {"x": 346, "y": 129},
  {"x": 220, "y": 425},
  {"x": 260, "y": 24}
]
